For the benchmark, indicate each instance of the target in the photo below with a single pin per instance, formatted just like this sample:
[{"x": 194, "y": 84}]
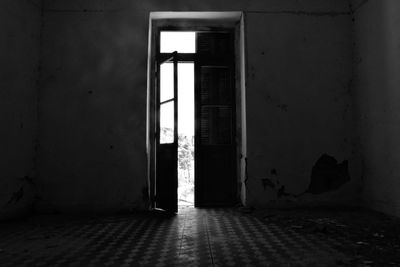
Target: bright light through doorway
[
  {"x": 182, "y": 42},
  {"x": 186, "y": 134}
]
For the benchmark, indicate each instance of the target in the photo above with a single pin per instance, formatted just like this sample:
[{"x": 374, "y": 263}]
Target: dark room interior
[{"x": 200, "y": 133}]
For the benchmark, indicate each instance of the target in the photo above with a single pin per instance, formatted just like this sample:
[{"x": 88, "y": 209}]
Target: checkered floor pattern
[{"x": 194, "y": 237}]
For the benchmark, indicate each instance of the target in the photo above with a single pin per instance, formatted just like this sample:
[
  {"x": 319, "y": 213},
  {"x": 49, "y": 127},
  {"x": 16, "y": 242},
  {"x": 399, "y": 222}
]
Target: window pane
[
  {"x": 183, "y": 42},
  {"x": 166, "y": 81},
  {"x": 167, "y": 123}
]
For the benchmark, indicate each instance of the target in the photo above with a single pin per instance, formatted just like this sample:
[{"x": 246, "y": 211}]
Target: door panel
[
  {"x": 167, "y": 136},
  {"x": 215, "y": 176},
  {"x": 166, "y": 184},
  {"x": 216, "y": 184}
]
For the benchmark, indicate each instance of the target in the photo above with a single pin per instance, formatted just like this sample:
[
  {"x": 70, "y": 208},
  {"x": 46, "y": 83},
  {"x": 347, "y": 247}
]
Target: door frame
[{"x": 197, "y": 21}]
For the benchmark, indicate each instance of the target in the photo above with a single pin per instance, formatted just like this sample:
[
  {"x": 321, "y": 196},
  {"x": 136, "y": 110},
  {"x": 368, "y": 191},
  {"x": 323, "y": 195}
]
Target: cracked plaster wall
[
  {"x": 93, "y": 97},
  {"x": 377, "y": 109},
  {"x": 19, "y": 73},
  {"x": 299, "y": 104}
]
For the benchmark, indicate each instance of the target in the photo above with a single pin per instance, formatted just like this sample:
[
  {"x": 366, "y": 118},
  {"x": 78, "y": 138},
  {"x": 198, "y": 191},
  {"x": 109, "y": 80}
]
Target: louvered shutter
[{"x": 215, "y": 116}]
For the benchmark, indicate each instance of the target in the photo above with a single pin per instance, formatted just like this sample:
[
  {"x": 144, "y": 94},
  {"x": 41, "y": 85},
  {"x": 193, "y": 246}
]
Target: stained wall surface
[
  {"x": 299, "y": 108},
  {"x": 378, "y": 96},
  {"x": 92, "y": 152},
  {"x": 19, "y": 61}
]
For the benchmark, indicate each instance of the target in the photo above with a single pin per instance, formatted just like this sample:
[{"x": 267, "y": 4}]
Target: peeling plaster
[
  {"x": 16, "y": 196},
  {"x": 274, "y": 184},
  {"x": 266, "y": 182},
  {"x": 328, "y": 175},
  {"x": 283, "y": 107}
]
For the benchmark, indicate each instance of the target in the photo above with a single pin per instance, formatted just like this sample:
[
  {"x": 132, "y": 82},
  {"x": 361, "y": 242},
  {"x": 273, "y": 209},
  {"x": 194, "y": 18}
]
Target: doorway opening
[
  {"x": 186, "y": 152},
  {"x": 179, "y": 43},
  {"x": 185, "y": 124},
  {"x": 196, "y": 113}
]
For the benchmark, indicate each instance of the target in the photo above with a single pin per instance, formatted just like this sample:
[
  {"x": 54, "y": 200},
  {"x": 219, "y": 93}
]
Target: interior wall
[
  {"x": 378, "y": 110},
  {"x": 19, "y": 67},
  {"x": 301, "y": 143},
  {"x": 93, "y": 102}
]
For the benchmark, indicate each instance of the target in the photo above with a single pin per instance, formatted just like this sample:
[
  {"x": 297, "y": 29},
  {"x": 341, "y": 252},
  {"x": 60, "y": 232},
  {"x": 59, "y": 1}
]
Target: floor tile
[{"x": 194, "y": 237}]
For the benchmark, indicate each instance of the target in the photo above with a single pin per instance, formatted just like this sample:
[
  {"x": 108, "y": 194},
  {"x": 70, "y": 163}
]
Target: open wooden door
[
  {"x": 166, "y": 196},
  {"x": 215, "y": 183}
]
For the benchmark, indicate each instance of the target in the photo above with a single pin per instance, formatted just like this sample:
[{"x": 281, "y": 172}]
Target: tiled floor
[{"x": 195, "y": 237}]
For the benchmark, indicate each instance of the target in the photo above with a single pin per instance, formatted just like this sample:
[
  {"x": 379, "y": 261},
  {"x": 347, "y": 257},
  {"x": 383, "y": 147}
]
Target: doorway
[
  {"x": 174, "y": 43},
  {"x": 195, "y": 152},
  {"x": 186, "y": 135}
]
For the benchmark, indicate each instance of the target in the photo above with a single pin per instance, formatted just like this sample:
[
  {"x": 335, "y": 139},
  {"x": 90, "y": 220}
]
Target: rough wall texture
[
  {"x": 378, "y": 110},
  {"x": 93, "y": 99},
  {"x": 19, "y": 59},
  {"x": 299, "y": 103}
]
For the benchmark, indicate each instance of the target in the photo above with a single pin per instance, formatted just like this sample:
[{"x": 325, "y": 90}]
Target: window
[{"x": 179, "y": 41}]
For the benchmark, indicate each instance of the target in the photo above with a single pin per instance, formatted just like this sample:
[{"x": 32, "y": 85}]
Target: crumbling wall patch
[{"x": 328, "y": 175}]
